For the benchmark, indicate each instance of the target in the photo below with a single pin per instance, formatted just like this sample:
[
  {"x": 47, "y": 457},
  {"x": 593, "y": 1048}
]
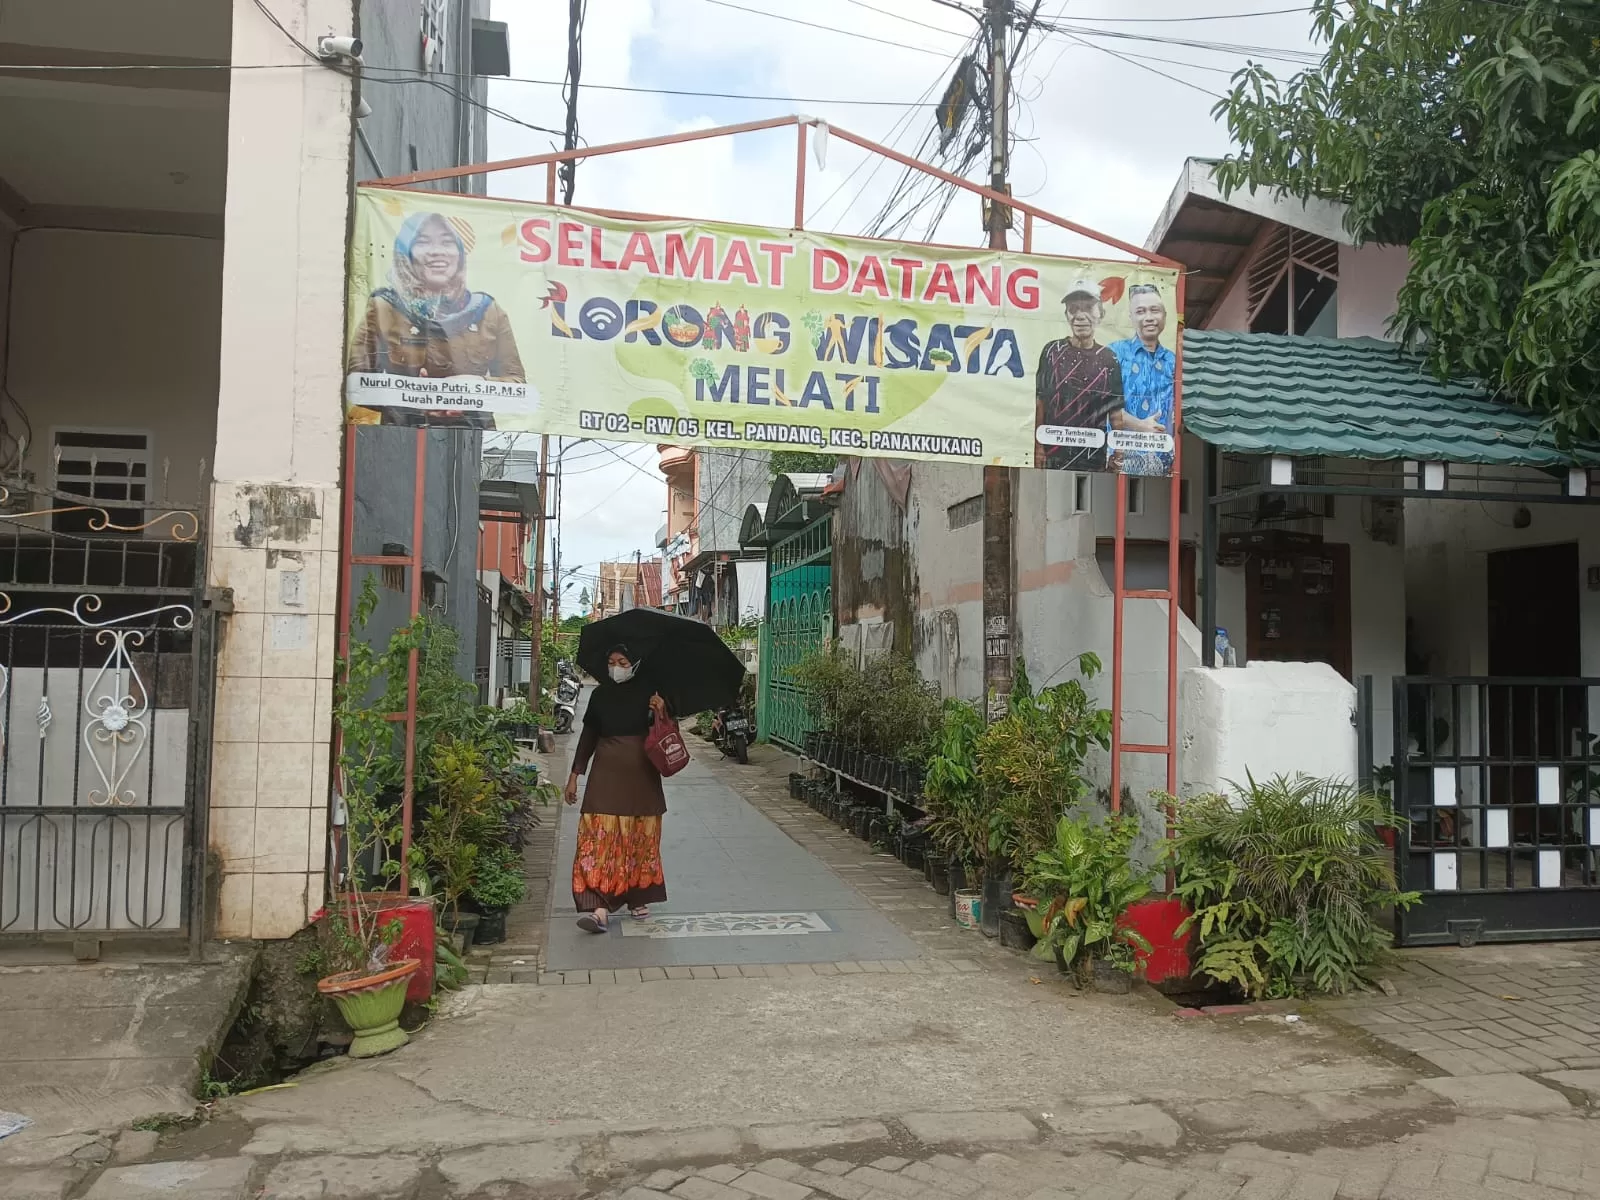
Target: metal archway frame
[{"x": 802, "y": 125}]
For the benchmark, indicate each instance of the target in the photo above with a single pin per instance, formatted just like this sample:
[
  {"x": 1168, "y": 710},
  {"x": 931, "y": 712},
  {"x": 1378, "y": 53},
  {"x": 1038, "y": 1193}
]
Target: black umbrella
[{"x": 684, "y": 660}]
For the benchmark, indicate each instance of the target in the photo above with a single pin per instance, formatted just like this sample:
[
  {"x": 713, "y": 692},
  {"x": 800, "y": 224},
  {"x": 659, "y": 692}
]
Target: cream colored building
[{"x": 175, "y": 185}]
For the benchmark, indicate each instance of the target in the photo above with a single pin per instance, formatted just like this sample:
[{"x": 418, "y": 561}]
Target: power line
[
  {"x": 1271, "y": 12},
  {"x": 369, "y": 69},
  {"x": 901, "y": 17},
  {"x": 304, "y": 49},
  {"x": 1065, "y": 28},
  {"x": 1132, "y": 61},
  {"x": 851, "y": 34}
]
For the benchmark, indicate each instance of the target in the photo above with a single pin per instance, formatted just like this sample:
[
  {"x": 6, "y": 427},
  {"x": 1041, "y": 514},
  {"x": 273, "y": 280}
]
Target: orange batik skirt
[{"x": 618, "y": 863}]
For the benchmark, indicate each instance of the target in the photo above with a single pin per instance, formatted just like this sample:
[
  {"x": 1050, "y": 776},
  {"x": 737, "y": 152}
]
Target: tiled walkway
[
  {"x": 758, "y": 885},
  {"x": 1488, "y": 1009}
]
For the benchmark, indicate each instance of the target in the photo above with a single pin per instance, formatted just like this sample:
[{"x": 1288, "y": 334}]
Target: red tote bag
[{"x": 663, "y": 745}]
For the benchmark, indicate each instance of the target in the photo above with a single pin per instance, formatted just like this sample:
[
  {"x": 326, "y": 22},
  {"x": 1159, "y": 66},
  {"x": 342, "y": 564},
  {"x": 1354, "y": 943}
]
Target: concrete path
[
  {"x": 91, "y": 1046},
  {"x": 857, "y": 1081},
  {"x": 740, "y": 891}
]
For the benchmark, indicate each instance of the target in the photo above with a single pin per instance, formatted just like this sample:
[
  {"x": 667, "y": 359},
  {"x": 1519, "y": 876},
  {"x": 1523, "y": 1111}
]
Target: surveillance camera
[
  {"x": 363, "y": 109},
  {"x": 340, "y": 47}
]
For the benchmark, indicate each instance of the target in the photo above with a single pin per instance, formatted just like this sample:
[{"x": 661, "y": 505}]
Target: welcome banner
[{"x": 530, "y": 318}]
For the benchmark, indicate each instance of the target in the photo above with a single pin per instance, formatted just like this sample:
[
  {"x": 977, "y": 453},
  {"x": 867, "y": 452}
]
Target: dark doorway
[
  {"x": 1533, "y": 611},
  {"x": 1533, "y": 636},
  {"x": 1297, "y": 607}
]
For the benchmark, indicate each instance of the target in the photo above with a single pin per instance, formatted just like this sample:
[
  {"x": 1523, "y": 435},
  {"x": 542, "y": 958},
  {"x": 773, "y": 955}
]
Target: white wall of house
[
  {"x": 1369, "y": 279},
  {"x": 275, "y": 502},
  {"x": 118, "y": 331}
]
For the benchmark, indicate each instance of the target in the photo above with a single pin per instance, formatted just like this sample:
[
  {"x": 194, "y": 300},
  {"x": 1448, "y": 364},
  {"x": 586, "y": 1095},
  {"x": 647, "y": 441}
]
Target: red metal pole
[
  {"x": 409, "y": 788},
  {"x": 1027, "y": 233},
  {"x": 995, "y": 197},
  {"x": 347, "y": 545},
  {"x": 550, "y": 184},
  {"x": 800, "y": 176},
  {"x": 695, "y": 135},
  {"x": 557, "y": 156},
  {"x": 1174, "y": 520},
  {"x": 1118, "y": 599}
]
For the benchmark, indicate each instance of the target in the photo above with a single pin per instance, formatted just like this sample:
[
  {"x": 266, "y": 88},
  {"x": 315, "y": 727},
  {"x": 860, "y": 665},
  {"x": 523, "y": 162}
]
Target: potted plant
[
  {"x": 959, "y": 825},
  {"x": 370, "y": 989},
  {"x": 499, "y": 885},
  {"x": 1086, "y": 882},
  {"x": 1285, "y": 879}
]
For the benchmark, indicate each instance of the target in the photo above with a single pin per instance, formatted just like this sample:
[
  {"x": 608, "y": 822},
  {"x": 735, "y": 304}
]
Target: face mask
[{"x": 621, "y": 674}]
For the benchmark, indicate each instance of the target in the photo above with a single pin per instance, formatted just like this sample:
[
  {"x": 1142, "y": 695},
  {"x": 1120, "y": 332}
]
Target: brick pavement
[
  {"x": 1469, "y": 1159},
  {"x": 1528, "y": 1009}
]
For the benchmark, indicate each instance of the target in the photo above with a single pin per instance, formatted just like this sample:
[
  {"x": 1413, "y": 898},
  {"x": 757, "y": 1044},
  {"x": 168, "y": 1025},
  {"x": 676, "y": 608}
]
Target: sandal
[
  {"x": 591, "y": 924},
  {"x": 641, "y": 913}
]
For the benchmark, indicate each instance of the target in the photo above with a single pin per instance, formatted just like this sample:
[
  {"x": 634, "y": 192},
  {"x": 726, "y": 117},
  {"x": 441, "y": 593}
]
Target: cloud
[{"x": 1099, "y": 139}]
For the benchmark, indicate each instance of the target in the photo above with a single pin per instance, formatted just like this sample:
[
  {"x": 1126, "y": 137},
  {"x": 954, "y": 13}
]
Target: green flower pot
[{"x": 370, "y": 1002}]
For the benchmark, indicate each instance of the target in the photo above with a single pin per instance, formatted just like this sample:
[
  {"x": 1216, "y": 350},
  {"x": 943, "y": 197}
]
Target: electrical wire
[
  {"x": 902, "y": 17},
  {"x": 1271, "y": 12},
  {"x": 304, "y": 49},
  {"x": 368, "y": 70},
  {"x": 851, "y": 34}
]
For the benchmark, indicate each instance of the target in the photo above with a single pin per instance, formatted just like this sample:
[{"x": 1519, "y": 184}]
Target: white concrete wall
[
  {"x": 275, "y": 503},
  {"x": 1266, "y": 720},
  {"x": 1064, "y": 605},
  {"x": 1369, "y": 280},
  {"x": 119, "y": 331}
]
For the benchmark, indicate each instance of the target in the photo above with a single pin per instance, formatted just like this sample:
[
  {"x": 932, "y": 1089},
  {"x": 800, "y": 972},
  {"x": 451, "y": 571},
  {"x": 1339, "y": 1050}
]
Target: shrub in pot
[
  {"x": 499, "y": 885},
  {"x": 1084, "y": 883},
  {"x": 1284, "y": 879}
]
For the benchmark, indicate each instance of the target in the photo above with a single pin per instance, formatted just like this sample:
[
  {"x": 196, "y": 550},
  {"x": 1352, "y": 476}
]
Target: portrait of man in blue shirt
[{"x": 1148, "y": 369}]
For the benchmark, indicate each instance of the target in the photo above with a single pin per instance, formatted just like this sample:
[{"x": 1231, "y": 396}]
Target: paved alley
[
  {"x": 731, "y": 1063},
  {"x": 741, "y": 892}
]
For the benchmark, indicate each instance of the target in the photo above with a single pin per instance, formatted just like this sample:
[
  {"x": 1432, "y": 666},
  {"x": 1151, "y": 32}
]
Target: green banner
[{"x": 524, "y": 317}]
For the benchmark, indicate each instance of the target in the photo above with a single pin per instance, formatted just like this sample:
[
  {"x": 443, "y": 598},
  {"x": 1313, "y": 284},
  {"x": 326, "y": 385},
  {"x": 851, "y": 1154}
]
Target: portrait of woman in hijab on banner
[{"x": 426, "y": 323}]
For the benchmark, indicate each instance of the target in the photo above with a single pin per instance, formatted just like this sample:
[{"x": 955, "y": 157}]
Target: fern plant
[{"x": 1283, "y": 881}]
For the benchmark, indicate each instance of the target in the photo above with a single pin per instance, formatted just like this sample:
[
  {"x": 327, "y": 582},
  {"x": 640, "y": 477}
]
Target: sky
[{"x": 1104, "y": 115}]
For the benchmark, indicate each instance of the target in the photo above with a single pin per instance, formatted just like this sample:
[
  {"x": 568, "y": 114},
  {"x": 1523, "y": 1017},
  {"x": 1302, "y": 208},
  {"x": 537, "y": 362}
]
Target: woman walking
[{"x": 618, "y": 861}]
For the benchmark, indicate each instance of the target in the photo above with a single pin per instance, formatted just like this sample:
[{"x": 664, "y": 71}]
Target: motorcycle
[
  {"x": 731, "y": 732},
  {"x": 565, "y": 703}
]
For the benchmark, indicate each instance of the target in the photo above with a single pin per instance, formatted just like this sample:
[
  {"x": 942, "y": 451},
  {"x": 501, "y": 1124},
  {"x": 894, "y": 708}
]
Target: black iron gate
[
  {"x": 107, "y": 669},
  {"x": 1497, "y": 785}
]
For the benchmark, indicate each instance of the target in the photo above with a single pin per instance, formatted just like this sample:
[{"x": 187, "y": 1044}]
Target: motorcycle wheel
[
  {"x": 563, "y": 722},
  {"x": 740, "y": 750}
]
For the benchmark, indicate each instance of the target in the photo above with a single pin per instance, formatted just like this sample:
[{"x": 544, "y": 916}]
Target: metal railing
[{"x": 107, "y": 663}]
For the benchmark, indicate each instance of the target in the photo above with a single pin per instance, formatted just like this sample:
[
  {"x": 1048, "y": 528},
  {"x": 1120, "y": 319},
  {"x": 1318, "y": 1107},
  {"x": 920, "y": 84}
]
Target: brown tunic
[{"x": 624, "y": 782}]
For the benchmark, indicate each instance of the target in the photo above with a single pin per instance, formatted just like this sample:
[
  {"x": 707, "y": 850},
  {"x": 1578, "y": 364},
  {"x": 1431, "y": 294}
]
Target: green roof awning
[{"x": 1361, "y": 398}]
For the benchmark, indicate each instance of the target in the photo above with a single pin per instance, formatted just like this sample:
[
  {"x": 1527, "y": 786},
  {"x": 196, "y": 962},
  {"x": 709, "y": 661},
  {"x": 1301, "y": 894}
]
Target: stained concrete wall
[{"x": 85, "y": 356}]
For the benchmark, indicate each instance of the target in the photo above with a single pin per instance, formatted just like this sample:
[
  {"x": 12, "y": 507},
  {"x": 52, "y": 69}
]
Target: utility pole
[
  {"x": 556, "y": 582},
  {"x": 999, "y": 557},
  {"x": 536, "y": 634}
]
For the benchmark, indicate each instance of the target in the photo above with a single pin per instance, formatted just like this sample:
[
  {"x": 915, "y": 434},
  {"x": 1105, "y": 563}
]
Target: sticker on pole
[{"x": 533, "y": 318}]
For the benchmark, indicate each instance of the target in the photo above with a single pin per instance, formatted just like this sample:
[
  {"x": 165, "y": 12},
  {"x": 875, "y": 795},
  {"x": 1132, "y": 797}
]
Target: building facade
[{"x": 172, "y": 278}]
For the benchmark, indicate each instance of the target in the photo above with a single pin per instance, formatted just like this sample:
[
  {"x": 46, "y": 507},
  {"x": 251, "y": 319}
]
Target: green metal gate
[{"x": 799, "y": 622}]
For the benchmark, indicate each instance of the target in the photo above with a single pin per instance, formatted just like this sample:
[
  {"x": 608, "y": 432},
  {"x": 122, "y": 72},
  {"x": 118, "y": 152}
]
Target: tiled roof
[{"x": 1352, "y": 398}]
